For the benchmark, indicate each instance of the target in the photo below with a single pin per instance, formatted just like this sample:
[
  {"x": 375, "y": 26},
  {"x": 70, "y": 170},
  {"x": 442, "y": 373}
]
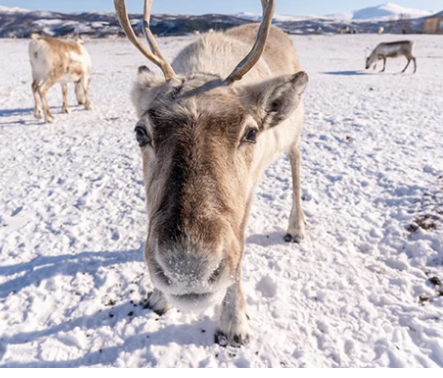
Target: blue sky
[{"x": 217, "y": 6}]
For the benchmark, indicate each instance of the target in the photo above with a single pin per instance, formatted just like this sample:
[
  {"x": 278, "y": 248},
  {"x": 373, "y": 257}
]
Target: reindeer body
[
  {"x": 392, "y": 50},
  {"x": 205, "y": 142},
  {"x": 52, "y": 61}
]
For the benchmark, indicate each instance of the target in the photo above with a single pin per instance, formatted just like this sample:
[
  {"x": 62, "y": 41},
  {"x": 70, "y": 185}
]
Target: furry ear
[
  {"x": 142, "y": 92},
  {"x": 276, "y": 99},
  {"x": 147, "y": 78},
  {"x": 79, "y": 39}
]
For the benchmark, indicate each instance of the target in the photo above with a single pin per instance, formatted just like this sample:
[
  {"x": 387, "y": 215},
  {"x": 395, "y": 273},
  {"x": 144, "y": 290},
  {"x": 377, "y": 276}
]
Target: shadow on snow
[{"x": 44, "y": 267}]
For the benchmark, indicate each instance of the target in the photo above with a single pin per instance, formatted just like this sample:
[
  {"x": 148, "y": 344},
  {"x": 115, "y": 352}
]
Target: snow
[
  {"x": 383, "y": 12},
  {"x": 54, "y": 22},
  {"x": 4, "y": 9},
  {"x": 256, "y": 17},
  {"x": 82, "y": 28},
  {"x": 355, "y": 293}
]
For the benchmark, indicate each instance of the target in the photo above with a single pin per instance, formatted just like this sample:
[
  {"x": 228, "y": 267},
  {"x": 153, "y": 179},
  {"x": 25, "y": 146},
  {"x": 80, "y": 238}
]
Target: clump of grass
[{"x": 425, "y": 222}]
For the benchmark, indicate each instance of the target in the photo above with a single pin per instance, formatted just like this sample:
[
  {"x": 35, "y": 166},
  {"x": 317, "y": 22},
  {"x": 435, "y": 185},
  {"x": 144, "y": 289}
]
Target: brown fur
[{"x": 61, "y": 46}]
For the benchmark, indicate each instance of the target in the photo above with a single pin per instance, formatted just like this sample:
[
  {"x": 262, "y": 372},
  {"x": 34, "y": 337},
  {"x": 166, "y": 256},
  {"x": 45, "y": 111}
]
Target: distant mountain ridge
[
  {"x": 21, "y": 23},
  {"x": 13, "y": 9}
]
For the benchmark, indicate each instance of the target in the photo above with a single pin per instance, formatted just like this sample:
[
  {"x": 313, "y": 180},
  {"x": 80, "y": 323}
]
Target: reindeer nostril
[{"x": 216, "y": 274}]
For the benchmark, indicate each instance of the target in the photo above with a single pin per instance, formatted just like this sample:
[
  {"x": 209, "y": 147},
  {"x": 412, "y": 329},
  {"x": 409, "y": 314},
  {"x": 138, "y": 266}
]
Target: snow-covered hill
[
  {"x": 383, "y": 12},
  {"x": 21, "y": 23},
  {"x": 256, "y": 17},
  {"x": 4, "y": 9}
]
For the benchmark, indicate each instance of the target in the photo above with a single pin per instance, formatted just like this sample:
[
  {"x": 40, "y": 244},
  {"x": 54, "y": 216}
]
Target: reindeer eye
[
  {"x": 142, "y": 136},
  {"x": 251, "y": 136}
]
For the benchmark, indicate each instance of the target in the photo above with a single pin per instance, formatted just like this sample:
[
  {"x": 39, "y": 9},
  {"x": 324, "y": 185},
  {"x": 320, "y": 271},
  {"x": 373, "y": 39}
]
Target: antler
[
  {"x": 155, "y": 56},
  {"x": 254, "y": 55}
]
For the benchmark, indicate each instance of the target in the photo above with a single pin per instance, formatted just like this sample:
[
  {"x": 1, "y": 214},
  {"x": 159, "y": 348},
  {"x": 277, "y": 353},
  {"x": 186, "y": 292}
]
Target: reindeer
[
  {"x": 392, "y": 50},
  {"x": 52, "y": 61},
  {"x": 206, "y": 132},
  {"x": 344, "y": 30}
]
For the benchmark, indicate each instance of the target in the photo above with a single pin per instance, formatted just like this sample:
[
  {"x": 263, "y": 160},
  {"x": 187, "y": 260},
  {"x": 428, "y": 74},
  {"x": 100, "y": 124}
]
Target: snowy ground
[{"x": 356, "y": 292}]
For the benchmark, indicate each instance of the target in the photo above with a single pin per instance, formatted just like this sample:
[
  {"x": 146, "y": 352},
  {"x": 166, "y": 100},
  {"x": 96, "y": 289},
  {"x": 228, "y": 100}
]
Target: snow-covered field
[{"x": 356, "y": 292}]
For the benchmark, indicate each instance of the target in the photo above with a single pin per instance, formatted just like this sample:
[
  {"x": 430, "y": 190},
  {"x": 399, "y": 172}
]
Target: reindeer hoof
[
  {"x": 50, "y": 120},
  {"x": 240, "y": 340},
  {"x": 38, "y": 114},
  {"x": 221, "y": 339},
  {"x": 288, "y": 238},
  {"x": 296, "y": 239},
  {"x": 66, "y": 111},
  {"x": 237, "y": 341}
]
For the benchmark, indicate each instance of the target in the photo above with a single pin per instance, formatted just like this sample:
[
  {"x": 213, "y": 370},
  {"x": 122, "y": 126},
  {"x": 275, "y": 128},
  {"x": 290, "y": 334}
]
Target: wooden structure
[{"x": 434, "y": 24}]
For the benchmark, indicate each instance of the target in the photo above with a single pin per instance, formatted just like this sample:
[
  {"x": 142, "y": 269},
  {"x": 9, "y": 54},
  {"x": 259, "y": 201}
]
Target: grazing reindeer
[
  {"x": 207, "y": 131},
  {"x": 52, "y": 61},
  {"x": 392, "y": 50}
]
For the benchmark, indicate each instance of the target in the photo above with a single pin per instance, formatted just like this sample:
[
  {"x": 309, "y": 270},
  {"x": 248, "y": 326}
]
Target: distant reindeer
[
  {"x": 381, "y": 30},
  {"x": 207, "y": 130},
  {"x": 52, "y": 61},
  {"x": 392, "y": 50}
]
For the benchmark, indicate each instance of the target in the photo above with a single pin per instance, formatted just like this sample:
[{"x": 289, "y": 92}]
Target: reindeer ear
[
  {"x": 147, "y": 78},
  {"x": 79, "y": 39},
  {"x": 142, "y": 91},
  {"x": 275, "y": 100}
]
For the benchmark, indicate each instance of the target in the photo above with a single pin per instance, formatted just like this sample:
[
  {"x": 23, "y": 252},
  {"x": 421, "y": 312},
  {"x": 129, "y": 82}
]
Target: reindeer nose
[
  {"x": 214, "y": 277},
  {"x": 188, "y": 269}
]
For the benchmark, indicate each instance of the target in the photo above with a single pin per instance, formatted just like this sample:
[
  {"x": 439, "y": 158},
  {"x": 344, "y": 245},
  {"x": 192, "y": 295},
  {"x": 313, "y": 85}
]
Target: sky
[{"x": 320, "y": 7}]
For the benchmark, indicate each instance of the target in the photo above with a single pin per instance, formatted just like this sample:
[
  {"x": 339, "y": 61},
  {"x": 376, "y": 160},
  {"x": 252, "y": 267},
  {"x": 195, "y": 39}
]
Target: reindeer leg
[
  {"x": 37, "y": 107},
  {"x": 85, "y": 86},
  {"x": 404, "y": 69},
  {"x": 296, "y": 228},
  {"x": 43, "y": 88},
  {"x": 157, "y": 302},
  {"x": 65, "y": 108},
  {"x": 415, "y": 65},
  {"x": 384, "y": 65},
  {"x": 233, "y": 328}
]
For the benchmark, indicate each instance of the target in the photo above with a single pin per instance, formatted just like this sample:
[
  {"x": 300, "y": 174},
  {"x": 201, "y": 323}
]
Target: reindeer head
[
  {"x": 199, "y": 137},
  {"x": 369, "y": 59}
]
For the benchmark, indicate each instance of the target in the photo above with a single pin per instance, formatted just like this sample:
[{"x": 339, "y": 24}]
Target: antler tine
[
  {"x": 257, "y": 50},
  {"x": 147, "y": 30},
  {"x": 156, "y": 57}
]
